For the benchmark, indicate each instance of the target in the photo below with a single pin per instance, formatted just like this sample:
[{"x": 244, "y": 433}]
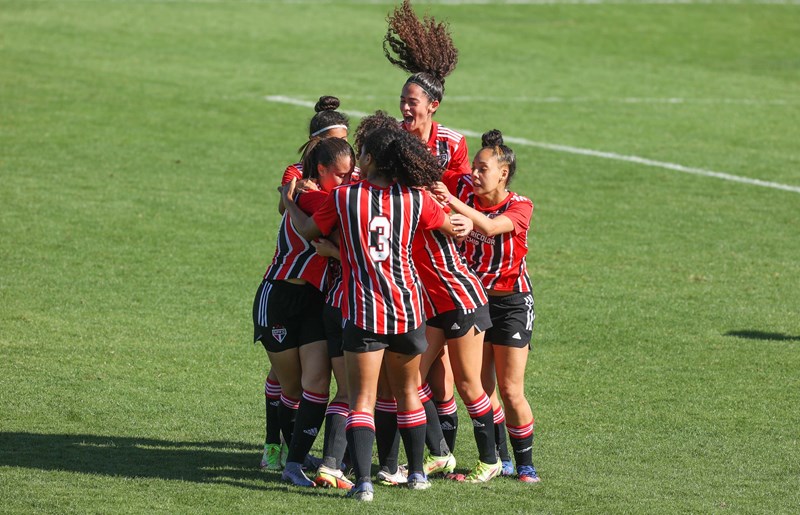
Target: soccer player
[
  {"x": 377, "y": 219},
  {"x": 288, "y": 311},
  {"x": 496, "y": 251}
]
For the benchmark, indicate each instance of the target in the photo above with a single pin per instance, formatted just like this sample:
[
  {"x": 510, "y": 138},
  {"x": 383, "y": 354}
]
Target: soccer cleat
[
  {"x": 332, "y": 478},
  {"x": 293, "y": 473},
  {"x": 271, "y": 460},
  {"x": 311, "y": 462},
  {"x": 483, "y": 472},
  {"x": 284, "y": 453},
  {"x": 362, "y": 492},
  {"x": 387, "y": 479},
  {"x": 439, "y": 464},
  {"x": 527, "y": 474},
  {"x": 417, "y": 481},
  {"x": 508, "y": 468}
]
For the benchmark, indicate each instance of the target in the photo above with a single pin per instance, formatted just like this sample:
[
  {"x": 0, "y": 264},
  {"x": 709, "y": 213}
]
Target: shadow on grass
[
  {"x": 762, "y": 335},
  {"x": 231, "y": 463}
]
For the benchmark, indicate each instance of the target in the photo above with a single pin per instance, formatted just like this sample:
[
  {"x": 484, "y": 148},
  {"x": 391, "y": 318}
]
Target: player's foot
[
  {"x": 417, "y": 481},
  {"x": 508, "y": 468},
  {"x": 387, "y": 479},
  {"x": 483, "y": 472},
  {"x": 439, "y": 464},
  {"x": 332, "y": 478},
  {"x": 271, "y": 460},
  {"x": 311, "y": 462},
  {"x": 362, "y": 492},
  {"x": 293, "y": 473},
  {"x": 527, "y": 474}
]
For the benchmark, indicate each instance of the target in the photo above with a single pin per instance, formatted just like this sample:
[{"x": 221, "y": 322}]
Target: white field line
[
  {"x": 602, "y": 100},
  {"x": 583, "y": 151}
]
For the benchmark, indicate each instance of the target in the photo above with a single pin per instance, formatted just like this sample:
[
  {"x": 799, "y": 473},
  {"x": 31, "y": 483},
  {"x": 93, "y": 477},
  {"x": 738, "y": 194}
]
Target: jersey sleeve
[
  {"x": 432, "y": 215},
  {"x": 311, "y": 201},
  {"x": 519, "y": 212},
  {"x": 326, "y": 216},
  {"x": 290, "y": 173},
  {"x": 459, "y": 162}
]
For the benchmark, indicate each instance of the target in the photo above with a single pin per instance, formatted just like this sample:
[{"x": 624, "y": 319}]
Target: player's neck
[
  {"x": 492, "y": 199},
  {"x": 423, "y": 131}
]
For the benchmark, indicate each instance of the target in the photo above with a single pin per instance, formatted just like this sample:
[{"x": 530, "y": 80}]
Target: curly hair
[
  {"x": 380, "y": 119},
  {"x": 327, "y": 117},
  {"x": 423, "y": 48},
  {"x": 402, "y": 157},
  {"x": 493, "y": 140},
  {"x": 325, "y": 152}
]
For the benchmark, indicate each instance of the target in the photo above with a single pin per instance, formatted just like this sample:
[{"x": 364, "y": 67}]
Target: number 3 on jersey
[{"x": 379, "y": 236}]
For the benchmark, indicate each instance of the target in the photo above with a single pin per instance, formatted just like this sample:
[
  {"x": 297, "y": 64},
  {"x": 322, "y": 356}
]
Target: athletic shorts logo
[
  {"x": 279, "y": 333},
  {"x": 517, "y": 336},
  {"x": 455, "y": 327}
]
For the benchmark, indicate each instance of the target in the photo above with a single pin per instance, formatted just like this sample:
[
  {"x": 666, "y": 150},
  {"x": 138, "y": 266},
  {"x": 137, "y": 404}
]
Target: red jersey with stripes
[
  {"x": 295, "y": 257},
  {"x": 382, "y": 293},
  {"x": 450, "y": 148},
  {"x": 294, "y": 171},
  {"x": 499, "y": 261}
]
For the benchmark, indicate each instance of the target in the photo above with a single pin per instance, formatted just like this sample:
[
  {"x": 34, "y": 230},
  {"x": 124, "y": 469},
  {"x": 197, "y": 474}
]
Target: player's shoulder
[
  {"x": 517, "y": 198},
  {"x": 448, "y": 134}
]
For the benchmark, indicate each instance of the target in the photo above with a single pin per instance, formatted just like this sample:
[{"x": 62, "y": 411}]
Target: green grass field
[{"x": 138, "y": 165}]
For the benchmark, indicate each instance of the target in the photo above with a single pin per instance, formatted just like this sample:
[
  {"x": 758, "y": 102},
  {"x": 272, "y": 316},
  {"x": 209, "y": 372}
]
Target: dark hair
[
  {"x": 493, "y": 140},
  {"x": 402, "y": 157},
  {"x": 325, "y": 152},
  {"x": 327, "y": 115},
  {"x": 370, "y": 123},
  {"x": 423, "y": 48}
]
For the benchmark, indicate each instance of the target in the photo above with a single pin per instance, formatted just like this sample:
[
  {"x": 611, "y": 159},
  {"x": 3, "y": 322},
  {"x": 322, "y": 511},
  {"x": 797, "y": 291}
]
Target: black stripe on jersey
[
  {"x": 354, "y": 216},
  {"x": 444, "y": 249},
  {"x": 498, "y": 254}
]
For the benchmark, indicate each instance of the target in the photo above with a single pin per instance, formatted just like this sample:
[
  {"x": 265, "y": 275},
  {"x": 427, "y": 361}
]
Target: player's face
[
  {"x": 487, "y": 174},
  {"x": 338, "y": 132},
  {"x": 336, "y": 174},
  {"x": 416, "y": 108}
]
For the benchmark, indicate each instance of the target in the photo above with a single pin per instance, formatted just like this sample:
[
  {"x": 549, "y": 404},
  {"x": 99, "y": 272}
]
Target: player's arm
[
  {"x": 326, "y": 248},
  {"x": 482, "y": 223},
  {"x": 303, "y": 223}
]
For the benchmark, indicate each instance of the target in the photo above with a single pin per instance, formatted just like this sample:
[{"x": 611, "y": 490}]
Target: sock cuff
[
  {"x": 289, "y": 402},
  {"x": 272, "y": 389},
  {"x": 425, "y": 393},
  {"x": 480, "y": 406},
  {"x": 338, "y": 408},
  {"x": 414, "y": 418},
  {"x": 447, "y": 407},
  {"x": 386, "y": 405},
  {"x": 360, "y": 419},
  {"x": 520, "y": 432},
  {"x": 499, "y": 415},
  {"x": 316, "y": 398}
]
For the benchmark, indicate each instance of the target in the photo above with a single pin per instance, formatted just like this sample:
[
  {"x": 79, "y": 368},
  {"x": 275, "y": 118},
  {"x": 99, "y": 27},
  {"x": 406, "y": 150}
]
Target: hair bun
[
  {"x": 327, "y": 103},
  {"x": 492, "y": 138}
]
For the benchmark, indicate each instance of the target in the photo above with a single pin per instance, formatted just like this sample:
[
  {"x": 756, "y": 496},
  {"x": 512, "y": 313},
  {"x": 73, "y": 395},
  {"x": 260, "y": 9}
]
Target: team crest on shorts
[{"x": 279, "y": 333}]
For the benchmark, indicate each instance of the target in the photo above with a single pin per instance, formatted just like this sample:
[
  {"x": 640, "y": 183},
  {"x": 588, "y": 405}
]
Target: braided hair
[
  {"x": 401, "y": 157},
  {"x": 493, "y": 140},
  {"x": 423, "y": 48},
  {"x": 327, "y": 117}
]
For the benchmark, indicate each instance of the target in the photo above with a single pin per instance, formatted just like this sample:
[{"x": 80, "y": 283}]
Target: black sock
[
  {"x": 386, "y": 435},
  {"x": 335, "y": 443},
  {"x": 360, "y": 437},
  {"x": 309, "y": 419},
  {"x": 522, "y": 443},
  {"x": 448, "y": 420},
  {"x": 413, "y": 433},
  {"x": 287, "y": 411},
  {"x": 434, "y": 438},
  {"x": 272, "y": 398},
  {"x": 501, "y": 440},
  {"x": 480, "y": 411}
]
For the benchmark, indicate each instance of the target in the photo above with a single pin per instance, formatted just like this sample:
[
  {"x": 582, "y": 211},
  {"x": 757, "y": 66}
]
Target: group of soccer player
[{"x": 400, "y": 269}]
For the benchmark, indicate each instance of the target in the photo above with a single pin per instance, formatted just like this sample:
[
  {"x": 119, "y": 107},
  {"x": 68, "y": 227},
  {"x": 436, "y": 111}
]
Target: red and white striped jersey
[
  {"x": 382, "y": 293},
  {"x": 499, "y": 261},
  {"x": 295, "y": 257},
  {"x": 450, "y": 148}
]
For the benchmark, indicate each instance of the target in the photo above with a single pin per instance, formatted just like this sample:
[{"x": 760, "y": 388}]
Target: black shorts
[
  {"x": 457, "y": 323},
  {"x": 512, "y": 320},
  {"x": 332, "y": 318},
  {"x": 359, "y": 340},
  {"x": 286, "y": 315}
]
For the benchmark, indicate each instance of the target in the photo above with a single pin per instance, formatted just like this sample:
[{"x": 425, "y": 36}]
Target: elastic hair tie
[{"x": 329, "y": 127}]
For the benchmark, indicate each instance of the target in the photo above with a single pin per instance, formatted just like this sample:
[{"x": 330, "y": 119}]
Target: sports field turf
[{"x": 138, "y": 164}]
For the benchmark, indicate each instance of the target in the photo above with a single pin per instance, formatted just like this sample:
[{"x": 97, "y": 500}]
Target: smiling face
[
  {"x": 335, "y": 174},
  {"x": 489, "y": 177},
  {"x": 417, "y": 110}
]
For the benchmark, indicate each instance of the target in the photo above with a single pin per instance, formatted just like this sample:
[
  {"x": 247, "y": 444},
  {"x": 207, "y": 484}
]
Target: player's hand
[
  {"x": 288, "y": 191},
  {"x": 461, "y": 224},
  {"x": 304, "y": 185},
  {"x": 326, "y": 248},
  {"x": 440, "y": 192}
]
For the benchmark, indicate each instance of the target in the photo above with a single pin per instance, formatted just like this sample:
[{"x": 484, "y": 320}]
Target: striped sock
[
  {"x": 412, "y": 429},
  {"x": 287, "y": 411},
  {"x": 310, "y": 415},
  {"x": 500, "y": 434},
  {"x": 434, "y": 437},
  {"x": 522, "y": 443},
  {"x": 480, "y": 411},
  {"x": 272, "y": 399},
  {"x": 360, "y": 431},
  {"x": 448, "y": 420},
  {"x": 335, "y": 443},
  {"x": 386, "y": 435}
]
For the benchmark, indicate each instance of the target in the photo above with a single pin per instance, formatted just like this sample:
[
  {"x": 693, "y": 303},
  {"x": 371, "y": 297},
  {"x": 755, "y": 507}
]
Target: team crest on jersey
[
  {"x": 442, "y": 155},
  {"x": 279, "y": 333}
]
